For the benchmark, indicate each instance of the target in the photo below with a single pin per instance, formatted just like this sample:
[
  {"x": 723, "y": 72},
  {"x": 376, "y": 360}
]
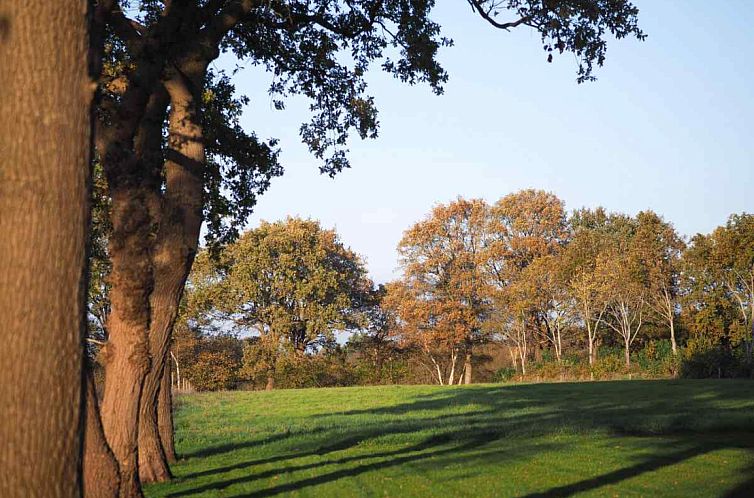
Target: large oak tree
[
  {"x": 45, "y": 141},
  {"x": 291, "y": 283}
]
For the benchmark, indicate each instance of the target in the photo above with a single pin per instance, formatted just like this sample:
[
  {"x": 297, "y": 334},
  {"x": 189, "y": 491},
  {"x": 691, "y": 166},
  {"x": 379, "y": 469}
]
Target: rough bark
[
  {"x": 153, "y": 463},
  {"x": 133, "y": 174},
  {"x": 165, "y": 416},
  {"x": 126, "y": 355},
  {"x": 173, "y": 254},
  {"x": 45, "y": 130},
  {"x": 100, "y": 469}
]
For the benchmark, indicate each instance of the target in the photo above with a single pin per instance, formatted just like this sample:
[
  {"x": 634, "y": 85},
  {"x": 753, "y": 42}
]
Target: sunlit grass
[{"x": 641, "y": 438}]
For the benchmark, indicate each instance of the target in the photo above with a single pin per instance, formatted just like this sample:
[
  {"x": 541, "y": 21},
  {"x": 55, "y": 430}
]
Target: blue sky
[{"x": 667, "y": 126}]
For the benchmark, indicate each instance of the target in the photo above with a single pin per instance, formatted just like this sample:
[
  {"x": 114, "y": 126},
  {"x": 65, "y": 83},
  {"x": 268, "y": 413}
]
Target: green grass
[{"x": 641, "y": 438}]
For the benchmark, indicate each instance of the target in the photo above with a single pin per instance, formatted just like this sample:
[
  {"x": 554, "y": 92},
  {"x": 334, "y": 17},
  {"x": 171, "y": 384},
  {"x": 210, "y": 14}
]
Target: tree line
[
  {"x": 126, "y": 90},
  {"x": 521, "y": 274}
]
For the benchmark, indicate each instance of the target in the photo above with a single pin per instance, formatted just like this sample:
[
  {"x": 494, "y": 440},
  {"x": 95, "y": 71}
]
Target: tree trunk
[
  {"x": 176, "y": 246},
  {"x": 751, "y": 342},
  {"x": 153, "y": 463},
  {"x": 467, "y": 368},
  {"x": 513, "y": 358},
  {"x": 672, "y": 338},
  {"x": 165, "y": 416},
  {"x": 45, "y": 139},
  {"x": 132, "y": 162},
  {"x": 126, "y": 354},
  {"x": 628, "y": 354},
  {"x": 452, "y": 373},
  {"x": 270, "y": 383},
  {"x": 101, "y": 478}
]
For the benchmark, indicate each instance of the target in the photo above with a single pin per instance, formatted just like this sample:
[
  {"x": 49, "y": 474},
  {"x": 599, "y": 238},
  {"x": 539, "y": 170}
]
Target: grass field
[{"x": 641, "y": 438}]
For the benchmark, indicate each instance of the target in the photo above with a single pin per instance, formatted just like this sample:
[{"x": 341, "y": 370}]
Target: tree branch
[
  {"x": 227, "y": 19},
  {"x": 476, "y": 6},
  {"x": 128, "y": 30}
]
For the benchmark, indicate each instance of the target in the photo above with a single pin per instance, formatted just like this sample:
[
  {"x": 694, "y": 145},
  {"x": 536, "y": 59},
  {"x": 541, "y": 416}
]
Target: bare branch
[{"x": 477, "y": 7}]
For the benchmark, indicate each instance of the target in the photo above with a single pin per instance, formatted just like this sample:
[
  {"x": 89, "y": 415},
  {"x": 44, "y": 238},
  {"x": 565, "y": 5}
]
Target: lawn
[{"x": 679, "y": 438}]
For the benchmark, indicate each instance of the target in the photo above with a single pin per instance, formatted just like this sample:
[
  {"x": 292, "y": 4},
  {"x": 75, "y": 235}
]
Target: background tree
[
  {"x": 658, "y": 247},
  {"x": 716, "y": 283},
  {"x": 45, "y": 138},
  {"x": 434, "y": 326},
  {"x": 626, "y": 292},
  {"x": 510, "y": 319},
  {"x": 373, "y": 341},
  {"x": 444, "y": 285},
  {"x": 549, "y": 300},
  {"x": 588, "y": 287},
  {"x": 735, "y": 258},
  {"x": 293, "y": 283},
  {"x": 522, "y": 227}
]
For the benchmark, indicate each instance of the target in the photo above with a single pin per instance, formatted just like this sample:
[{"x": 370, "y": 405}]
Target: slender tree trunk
[
  {"x": 513, "y": 358},
  {"x": 451, "y": 376},
  {"x": 100, "y": 469},
  {"x": 669, "y": 310},
  {"x": 45, "y": 142},
  {"x": 467, "y": 368},
  {"x": 270, "y": 383},
  {"x": 558, "y": 347},
  {"x": 751, "y": 339},
  {"x": 165, "y": 416},
  {"x": 592, "y": 352},
  {"x": 673, "y": 343},
  {"x": 628, "y": 353},
  {"x": 177, "y": 371},
  {"x": 438, "y": 371}
]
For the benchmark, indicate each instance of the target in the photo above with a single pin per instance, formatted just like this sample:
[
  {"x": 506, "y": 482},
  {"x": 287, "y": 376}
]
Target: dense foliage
[{"x": 515, "y": 290}]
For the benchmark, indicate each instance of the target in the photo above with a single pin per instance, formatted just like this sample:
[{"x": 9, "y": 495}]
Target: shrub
[
  {"x": 505, "y": 374},
  {"x": 213, "y": 371}
]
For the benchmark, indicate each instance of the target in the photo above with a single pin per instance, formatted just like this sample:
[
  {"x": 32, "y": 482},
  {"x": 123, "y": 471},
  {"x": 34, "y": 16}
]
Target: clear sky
[{"x": 668, "y": 126}]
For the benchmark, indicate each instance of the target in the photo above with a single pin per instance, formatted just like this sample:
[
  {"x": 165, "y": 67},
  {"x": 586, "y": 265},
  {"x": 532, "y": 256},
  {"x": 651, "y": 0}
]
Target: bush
[
  {"x": 704, "y": 358},
  {"x": 505, "y": 374},
  {"x": 213, "y": 371}
]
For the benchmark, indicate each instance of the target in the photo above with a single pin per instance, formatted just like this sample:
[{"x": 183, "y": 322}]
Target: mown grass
[{"x": 677, "y": 438}]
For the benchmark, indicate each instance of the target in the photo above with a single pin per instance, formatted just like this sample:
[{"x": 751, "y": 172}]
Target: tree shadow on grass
[
  {"x": 227, "y": 448},
  {"x": 407, "y": 456},
  {"x": 616, "y": 476},
  {"x": 351, "y": 472},
  {"x": 349, "y": 441},
  {"x": 518, "y": 412},
  {"x": 745, "y": 489},
  {"x": 437, "y": 446}
]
